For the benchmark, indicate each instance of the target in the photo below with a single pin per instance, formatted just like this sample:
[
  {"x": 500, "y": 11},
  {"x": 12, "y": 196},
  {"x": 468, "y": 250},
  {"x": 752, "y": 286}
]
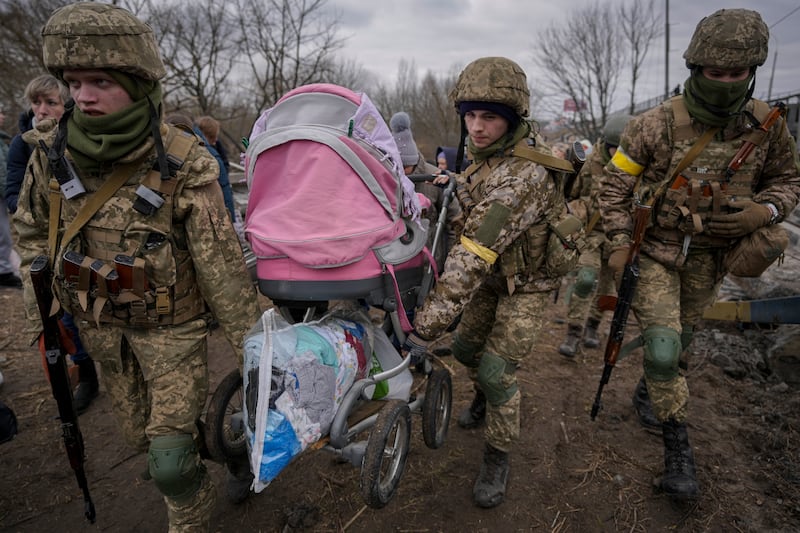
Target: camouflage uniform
[
  {"x": 494, "y": 272},
  {"x": 681, "y": 267},
  {"x": 592, "y": 276},
  {"x": 154, "y": 363}
]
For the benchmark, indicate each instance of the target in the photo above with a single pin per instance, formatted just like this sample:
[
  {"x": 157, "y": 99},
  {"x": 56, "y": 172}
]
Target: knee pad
[
  {"x": 662, "y": 350},
  {"x": 173, "y": 465},
  {"x": 491, "y": 371},
  {"x": 465, "y": 352},
  {"x": 584, "y": 282}
]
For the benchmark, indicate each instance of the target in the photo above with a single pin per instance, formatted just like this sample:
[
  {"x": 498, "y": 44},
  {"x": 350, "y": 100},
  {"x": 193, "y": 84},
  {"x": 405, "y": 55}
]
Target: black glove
[{"x": 415, "y": 346}]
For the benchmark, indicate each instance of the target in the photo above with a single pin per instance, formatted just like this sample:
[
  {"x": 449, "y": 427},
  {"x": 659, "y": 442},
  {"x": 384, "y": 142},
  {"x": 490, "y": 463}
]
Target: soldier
[
  {"x": 679, "y": 153},
  {"x": 508, "y": 194},
  {"x": 164, "y": 218},
  {"x": 593, "y": 276}
]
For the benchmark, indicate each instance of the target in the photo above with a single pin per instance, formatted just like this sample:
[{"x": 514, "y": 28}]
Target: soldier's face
[
  {"x": 727, "y": 75},
  {"x": 96, "y": 93},
  {"x": 47, "y": 105},
  {"x": 484, "y": 127}
]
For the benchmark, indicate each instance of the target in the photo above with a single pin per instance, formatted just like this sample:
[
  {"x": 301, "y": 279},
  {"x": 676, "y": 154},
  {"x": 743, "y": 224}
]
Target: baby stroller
[{"x": 328, "y": 220}]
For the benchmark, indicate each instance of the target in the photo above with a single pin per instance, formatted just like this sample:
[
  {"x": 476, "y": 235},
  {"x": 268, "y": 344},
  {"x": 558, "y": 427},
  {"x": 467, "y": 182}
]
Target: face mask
[
  {"x": 715, "y": 102},
  {"x": 724, "y": 95}
]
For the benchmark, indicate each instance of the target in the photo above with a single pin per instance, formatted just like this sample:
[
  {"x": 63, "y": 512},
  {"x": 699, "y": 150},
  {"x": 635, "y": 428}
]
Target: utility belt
[{"x": 122, "y": 295}]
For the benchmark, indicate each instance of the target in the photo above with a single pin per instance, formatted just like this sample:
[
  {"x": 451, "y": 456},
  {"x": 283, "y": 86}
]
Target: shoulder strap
[
  {"x": 521, "y": 149},
  {"x": 682, "y": 127},
  {"x": 179, "y": 147}
]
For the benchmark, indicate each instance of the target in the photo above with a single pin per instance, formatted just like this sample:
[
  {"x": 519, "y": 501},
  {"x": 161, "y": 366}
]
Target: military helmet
[
  {"x": 89, "y": 35},
  {"x": 729, "y": 38},
  {"x": 612, "y": 131},
  {"x": 493, "y": 79}
]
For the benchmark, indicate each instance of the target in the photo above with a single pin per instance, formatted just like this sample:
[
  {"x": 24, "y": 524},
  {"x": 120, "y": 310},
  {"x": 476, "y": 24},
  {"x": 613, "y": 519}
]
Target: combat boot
[
  {"x": 87, "y": 388},
  {"x": 473, "y": 416},
  {"x": 590, "y": 338},
  {"x": 570, "y": 345},
  {"x": 490, "y": 487},
  {"x": 644, "y": 408},
  {"x": 680, "y": 478}
]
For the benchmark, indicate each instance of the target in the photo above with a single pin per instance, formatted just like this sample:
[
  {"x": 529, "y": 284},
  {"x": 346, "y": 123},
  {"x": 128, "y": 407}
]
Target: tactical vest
[
  {"x": 136, "y": 269},
  {"x": 702, "y": 190},
  {"x": 530, "y": 257}
]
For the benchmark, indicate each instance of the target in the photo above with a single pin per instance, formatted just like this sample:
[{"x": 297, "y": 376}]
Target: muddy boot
[
  {"x": 490, "y": 487},
  {"x": 473, "y": 416},
  {"x": 643, "y": 407},
  {"x": 680, "y": 478},
  {"x": 590, "y": 338},
  {"x": 238, "y": 479},
  {"x": 570, "y": 345},
  {"x": 87, "y": 388}
]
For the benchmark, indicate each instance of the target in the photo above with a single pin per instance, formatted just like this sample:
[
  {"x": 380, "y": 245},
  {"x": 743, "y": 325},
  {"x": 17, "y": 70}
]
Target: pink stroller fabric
[{"x": 327, "y": 198}]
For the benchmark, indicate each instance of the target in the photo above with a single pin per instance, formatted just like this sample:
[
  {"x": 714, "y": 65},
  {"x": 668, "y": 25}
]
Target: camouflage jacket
[
  {"x": 514, "y": 195},
  {"x": 650, "y": 151},
  {"x": 587, "y": 186},
  {"x": 199, "y": 233}
]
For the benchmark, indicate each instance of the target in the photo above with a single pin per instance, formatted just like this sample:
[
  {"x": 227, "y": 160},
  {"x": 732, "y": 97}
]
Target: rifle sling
[
  {"x": 116, "y": 180},
  {"x": 693, "y": 152}
]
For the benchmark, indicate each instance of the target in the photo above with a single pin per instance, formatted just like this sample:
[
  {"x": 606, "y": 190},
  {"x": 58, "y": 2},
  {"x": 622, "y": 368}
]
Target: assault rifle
[
  {"x": 625, "y": 293},
  {"x": 55, "y": 358},
  {"x": 744, "y": 152}
]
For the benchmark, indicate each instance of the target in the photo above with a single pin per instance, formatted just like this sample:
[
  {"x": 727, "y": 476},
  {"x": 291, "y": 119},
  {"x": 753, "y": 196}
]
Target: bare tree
[
  {"x": 640, "y": 26},
  {"x": 21, "y": 47},
  {"x": 285, "y": 44},
  {"x": 582, "y": 59},
  {"x": 199, "y": 46}
]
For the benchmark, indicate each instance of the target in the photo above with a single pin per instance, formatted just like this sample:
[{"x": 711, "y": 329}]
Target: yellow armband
[
  {"x": 481, "y": 251},
  {"x": 626, "y": 164}
]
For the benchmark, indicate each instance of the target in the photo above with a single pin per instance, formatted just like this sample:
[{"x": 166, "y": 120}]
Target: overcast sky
[{"x": 440, "y": 35}]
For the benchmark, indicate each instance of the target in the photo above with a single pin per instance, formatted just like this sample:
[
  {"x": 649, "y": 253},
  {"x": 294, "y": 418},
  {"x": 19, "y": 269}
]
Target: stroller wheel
[
  {"x": 437, "y": 408},
  {"x": 224, "y": 435},
  {"x": 385, "y": 456}
]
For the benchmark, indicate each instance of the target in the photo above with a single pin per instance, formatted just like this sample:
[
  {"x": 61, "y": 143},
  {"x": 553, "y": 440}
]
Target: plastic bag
[
  {"x": 295, "y": 377},
  {"x": 385, "y": 357}
]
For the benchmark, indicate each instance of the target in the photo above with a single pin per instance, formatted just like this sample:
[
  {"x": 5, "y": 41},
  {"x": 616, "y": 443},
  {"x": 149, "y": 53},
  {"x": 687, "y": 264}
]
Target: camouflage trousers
[
  {"x": 670, "y": 298},
  {"x": 157, "y": 381},
  {"x": 594, "y": 256},
  {"x": 507, "y": 326}
]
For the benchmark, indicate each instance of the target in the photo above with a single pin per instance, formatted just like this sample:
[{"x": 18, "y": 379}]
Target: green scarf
[
  {"x": 499, "y": 146},
  {"x": 95, "y": 141},
  {"x": 715, "y": 103}
]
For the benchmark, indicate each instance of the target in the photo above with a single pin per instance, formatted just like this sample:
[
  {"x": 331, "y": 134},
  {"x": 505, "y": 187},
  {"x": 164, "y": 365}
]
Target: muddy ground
[{"x": 568, "y": 473}]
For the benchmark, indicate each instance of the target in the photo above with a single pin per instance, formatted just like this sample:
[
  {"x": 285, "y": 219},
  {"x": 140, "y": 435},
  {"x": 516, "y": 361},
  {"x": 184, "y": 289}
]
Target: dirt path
[{"x": 568, "y": 473}]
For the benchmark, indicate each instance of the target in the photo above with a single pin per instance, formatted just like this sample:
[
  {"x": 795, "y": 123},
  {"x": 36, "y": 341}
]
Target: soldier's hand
[
  {"x": 416, "y": 346},
  {"x": 751, "y": 217},
  {"x": 617, "y": 260}
]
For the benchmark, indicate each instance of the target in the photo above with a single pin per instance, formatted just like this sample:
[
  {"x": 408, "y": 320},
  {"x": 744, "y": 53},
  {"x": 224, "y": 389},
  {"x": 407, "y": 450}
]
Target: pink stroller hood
[{"x": 324, "y": 183}]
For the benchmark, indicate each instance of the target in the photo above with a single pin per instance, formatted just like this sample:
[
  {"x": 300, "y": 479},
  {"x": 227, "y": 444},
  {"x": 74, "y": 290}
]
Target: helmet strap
[{"x": 161, "y": 154}]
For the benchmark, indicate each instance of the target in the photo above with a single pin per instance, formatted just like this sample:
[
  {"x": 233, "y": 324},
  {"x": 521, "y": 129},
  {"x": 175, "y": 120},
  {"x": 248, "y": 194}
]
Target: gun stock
[
  {"x": 55, "y": 358},
  {"x": 577, "y": 157},
  {"x": 625, "y": 294}
]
